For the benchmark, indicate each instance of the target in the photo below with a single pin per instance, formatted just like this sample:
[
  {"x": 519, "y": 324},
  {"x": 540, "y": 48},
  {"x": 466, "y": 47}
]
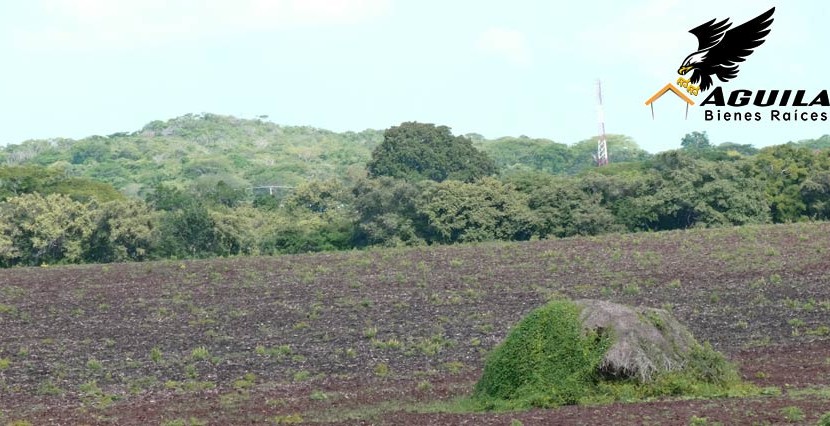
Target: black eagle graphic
[{"x": 719, "y": 50}]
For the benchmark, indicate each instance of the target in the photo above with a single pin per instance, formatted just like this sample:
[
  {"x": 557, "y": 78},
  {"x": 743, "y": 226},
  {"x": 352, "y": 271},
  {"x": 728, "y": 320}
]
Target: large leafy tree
[
  {"x": 821, "y": 143},
  {"x": 387, "y": 213},
  {"x": 783, "y": 170},
  {"x": 480, "y": 211},
  {"x": 188, "y": 232},
  {"x": 565, "y": 209},
  {"x": 123, "y": 231},
  {"x": 529, "y": 154},
  {"x": 169, "y": 198},
  {"x": 19, "y": 180},
  {"x": 695, "y": 192},
  {"x": 695, "y": 141},
  {"x": 242, "y": 230},
  {"x": 186, "y": 228},
  {"x": 95, "y": 148},
  {"x": 43, "y": 229},
  {"x": 815, "y": 192},
  {"x": 318, "y": 216},
  {"x": 741, "y": 149},
  {"x": 418, "y": 151},
  {"x": 319, "y": 196}
]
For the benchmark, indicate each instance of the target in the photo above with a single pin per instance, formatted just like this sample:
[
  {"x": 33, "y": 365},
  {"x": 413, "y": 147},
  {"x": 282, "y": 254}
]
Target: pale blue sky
[{"x": 74, "y": 68}]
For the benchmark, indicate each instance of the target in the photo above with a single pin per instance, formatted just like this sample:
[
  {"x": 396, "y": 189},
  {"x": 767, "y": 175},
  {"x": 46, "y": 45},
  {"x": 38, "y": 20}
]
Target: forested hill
[
  {"x": 199, "y": 150},
  {"x": 259, "y": 152},
  {"x": 196, "y": 151},
  {"x": 181, "y": 189}
]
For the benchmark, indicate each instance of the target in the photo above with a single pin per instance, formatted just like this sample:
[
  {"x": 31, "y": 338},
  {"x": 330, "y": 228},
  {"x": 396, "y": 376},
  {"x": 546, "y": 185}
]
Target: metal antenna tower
[{"x": 601, "y": 156}]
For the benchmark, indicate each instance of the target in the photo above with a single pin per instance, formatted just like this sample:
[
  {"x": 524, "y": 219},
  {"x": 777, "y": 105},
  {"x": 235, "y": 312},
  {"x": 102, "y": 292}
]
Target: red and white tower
[{"x": 601, "y": 156}]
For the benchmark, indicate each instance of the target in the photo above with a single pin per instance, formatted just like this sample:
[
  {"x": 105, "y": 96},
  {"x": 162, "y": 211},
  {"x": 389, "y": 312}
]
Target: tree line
[{"x": 422, "y": 185}]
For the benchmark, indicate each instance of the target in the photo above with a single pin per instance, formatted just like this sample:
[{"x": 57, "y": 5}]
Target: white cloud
[
  {"x": 506, "y": 43},
  {"x": 92, "y": 24}
]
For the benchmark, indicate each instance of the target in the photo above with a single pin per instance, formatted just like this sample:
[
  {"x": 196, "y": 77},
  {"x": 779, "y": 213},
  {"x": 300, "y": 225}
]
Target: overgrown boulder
[
  {"x": 570, "y": 352},
  {"x": 646, "y": 341}
]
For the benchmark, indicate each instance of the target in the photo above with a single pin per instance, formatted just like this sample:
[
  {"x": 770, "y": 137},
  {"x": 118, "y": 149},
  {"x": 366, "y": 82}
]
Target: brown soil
[{"x": 430, "y": 315}]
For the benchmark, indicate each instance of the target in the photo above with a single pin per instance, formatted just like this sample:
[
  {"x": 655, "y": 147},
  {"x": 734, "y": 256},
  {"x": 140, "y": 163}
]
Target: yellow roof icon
[{"x": 661, "y": 92}]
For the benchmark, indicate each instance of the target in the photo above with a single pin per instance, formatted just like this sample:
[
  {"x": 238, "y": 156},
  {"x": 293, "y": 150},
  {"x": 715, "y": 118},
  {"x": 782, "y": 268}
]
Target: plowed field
[{"x": 389, "y": 336}]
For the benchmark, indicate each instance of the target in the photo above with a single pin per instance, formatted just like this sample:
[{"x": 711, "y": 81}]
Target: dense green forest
[{"x": 195, "y": 186}]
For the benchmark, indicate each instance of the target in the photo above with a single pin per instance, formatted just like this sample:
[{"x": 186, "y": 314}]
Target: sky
[{"x": 76, "y": 68}]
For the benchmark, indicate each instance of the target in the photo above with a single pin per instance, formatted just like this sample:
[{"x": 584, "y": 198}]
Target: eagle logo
[{"x": 720, "y": 49}]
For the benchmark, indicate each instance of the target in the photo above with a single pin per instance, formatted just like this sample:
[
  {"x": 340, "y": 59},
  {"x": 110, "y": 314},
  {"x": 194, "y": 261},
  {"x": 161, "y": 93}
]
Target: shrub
[
  {"x": 382, "y": 369},
  {"x": 155, "y": 354},
  {"x": 698, "y": 421},
  {"x": 792, "y": 414},
  {"x": 199, "y": 354}
]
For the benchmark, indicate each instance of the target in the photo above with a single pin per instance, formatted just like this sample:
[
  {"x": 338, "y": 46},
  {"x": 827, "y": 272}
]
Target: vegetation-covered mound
[
  {"x": 647, "y": 341},
  {"x": 590, "y": 351}
]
